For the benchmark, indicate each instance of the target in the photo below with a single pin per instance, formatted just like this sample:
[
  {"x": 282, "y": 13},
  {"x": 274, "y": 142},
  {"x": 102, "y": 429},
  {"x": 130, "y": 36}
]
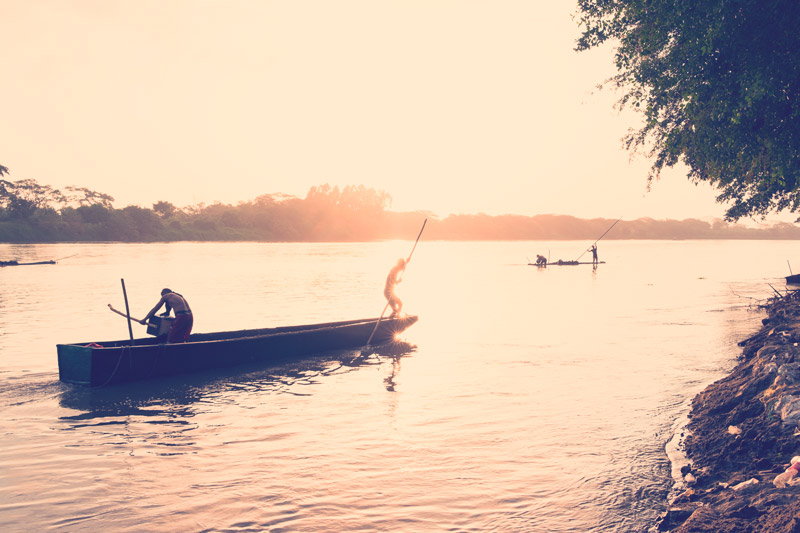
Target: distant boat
[
  {"x": 17, "y": 263},
  {"x": 561, "y": 262},
  {"x": 108, "y": 362},
  {"x": 578, "y": 261}
]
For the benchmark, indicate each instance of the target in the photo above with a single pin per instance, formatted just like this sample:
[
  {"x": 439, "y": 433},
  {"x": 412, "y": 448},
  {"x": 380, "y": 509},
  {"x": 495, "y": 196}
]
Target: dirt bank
[{"x": 742, "y": 433}]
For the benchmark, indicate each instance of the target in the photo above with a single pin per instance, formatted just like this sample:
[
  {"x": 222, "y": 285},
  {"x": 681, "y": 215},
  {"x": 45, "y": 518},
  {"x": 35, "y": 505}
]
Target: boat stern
[{"x": 74, "y": 363}]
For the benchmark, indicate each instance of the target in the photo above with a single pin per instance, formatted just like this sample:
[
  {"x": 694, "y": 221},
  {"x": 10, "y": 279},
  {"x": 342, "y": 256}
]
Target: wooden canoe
[
  {"x": 17, "y": 263},
  {"x": 561, "y": 262},
  {"x": 102, "y": 363}
]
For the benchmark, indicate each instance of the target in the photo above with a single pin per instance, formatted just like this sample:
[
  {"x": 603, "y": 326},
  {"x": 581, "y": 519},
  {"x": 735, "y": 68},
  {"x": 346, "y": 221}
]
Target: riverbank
[{"x": 743, "y": 432}]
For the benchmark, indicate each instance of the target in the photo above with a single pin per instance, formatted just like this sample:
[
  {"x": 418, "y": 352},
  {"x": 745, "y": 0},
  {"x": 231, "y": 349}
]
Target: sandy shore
[{"x": 742, "y": 433}]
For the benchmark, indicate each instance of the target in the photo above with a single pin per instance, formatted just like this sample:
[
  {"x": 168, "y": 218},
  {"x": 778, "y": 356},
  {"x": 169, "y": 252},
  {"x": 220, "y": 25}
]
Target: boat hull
[
  {"x": 103, "y": 363},
  {"x": 567, "y": 263}
]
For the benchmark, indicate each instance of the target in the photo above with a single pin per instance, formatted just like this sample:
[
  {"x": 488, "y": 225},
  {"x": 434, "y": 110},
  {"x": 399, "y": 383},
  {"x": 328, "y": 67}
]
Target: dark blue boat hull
[{"x": 103, "y": 363}]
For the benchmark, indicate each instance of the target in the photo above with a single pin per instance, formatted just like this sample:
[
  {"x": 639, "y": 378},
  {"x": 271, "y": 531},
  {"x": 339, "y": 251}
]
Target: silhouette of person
[
  {"x": 593, "y": 249},
  {"x": 541, "y": 260},
  {"x": 182, "y": 326},
  {"x": 392, "y": 280}
]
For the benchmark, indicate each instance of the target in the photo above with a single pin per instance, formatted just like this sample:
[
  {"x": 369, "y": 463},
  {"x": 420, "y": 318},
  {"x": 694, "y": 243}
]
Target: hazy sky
[{"x": 450, "y": 106}]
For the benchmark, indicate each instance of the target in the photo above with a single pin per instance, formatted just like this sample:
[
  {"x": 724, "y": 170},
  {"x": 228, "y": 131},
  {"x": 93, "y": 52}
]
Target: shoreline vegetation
[
  {"x": 34, "y": 213},
  {"x": 742, "y": 433}
]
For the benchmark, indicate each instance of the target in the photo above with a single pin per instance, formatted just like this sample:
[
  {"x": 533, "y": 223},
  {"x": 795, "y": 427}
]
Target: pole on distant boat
[{"x": 598, "y": 239}]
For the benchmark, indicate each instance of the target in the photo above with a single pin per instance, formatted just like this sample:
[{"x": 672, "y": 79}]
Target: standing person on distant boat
[
  {"x": 182, "y": 326},
  {"x": 593, "y": 249},
  {"x": 392, "y": 280}
]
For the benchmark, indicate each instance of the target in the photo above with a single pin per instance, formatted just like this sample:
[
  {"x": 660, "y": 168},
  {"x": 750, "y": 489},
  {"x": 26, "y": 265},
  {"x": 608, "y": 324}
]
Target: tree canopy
[
  {"x": 718, "y": 83},
  {"x": 23, "y": 198}
]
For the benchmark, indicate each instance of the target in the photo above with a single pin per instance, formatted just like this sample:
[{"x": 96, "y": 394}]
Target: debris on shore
[{"x": 743, "y": 438}]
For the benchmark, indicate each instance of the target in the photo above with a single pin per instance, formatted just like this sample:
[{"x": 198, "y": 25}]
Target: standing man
[
  {"x": 182, "y": 326},
  {"x": 593, "y": 249},
  {"x": 392, "y": 280}
]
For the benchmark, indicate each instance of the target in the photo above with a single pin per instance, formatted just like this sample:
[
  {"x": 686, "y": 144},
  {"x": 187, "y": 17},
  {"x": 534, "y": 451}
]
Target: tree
[
  {"x": 146, "y": 222},
  {"x": 164, "y": 209},
  {"x": 323, "y": 195},
  {"x": 361, "y": 199},
  {"x": 23, "y": 198},
  {"x": 84, "y": 197},
  {"x": 719, "y": 85},
  {"x": 92, "y": 214}
]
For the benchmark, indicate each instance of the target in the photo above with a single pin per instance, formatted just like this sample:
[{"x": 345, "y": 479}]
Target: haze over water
[{"x": 526, "y": 399}]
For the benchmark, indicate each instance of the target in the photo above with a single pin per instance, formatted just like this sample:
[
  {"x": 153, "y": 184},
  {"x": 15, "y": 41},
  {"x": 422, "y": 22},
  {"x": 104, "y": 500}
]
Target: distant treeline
[
  {"x": 564, "y": 227},
  {"x": 31, "y": 213}
]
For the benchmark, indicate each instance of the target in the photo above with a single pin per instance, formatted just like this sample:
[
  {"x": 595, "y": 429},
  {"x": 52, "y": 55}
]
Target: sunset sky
[{"x": 450, "y": 106}]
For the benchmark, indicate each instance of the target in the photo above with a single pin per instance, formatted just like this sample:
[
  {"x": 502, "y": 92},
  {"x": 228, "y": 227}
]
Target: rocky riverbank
[{"x": 743, "y": 432}]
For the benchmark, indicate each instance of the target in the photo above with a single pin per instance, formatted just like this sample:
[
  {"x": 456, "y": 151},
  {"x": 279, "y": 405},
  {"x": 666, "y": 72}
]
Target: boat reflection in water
[{"x": 176, "y": 396}]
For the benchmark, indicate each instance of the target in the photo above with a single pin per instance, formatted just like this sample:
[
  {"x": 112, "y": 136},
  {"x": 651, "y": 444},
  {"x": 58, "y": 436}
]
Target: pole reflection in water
[{"x": 173, "y": 397}]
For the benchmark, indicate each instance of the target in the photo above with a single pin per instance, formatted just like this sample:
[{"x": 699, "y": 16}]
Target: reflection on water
[{"x": 173, "y": 397}]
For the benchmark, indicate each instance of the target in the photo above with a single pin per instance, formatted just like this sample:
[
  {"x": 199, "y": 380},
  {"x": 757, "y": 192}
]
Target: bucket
[{"x": 159, "y": 325}]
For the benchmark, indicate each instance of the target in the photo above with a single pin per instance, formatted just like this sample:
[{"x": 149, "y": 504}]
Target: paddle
[
  {"x": 387, "y": 303},
  {"x": 123, "y": 314}
]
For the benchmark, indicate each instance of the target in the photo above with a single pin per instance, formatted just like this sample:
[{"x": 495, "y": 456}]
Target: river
[{"x": 524, "y": 399}]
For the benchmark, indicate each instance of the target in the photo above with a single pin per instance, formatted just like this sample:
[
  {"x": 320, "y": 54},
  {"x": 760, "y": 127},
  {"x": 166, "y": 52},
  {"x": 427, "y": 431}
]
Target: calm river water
[{"x": 525, "y": 399}]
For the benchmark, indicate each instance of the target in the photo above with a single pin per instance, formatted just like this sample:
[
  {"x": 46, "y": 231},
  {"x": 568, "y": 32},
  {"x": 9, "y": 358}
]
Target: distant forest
[{"x": 34, "y": 213}]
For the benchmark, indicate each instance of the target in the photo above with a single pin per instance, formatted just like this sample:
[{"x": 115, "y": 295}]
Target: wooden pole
[
  {"x": 127, "y": 310},
  {"x": 598, "y": 239},
  {"x": 415, "y": 242}
]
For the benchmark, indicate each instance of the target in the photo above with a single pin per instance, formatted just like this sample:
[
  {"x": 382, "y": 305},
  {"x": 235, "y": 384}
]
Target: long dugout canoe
[{"x": 103, "y": 363}]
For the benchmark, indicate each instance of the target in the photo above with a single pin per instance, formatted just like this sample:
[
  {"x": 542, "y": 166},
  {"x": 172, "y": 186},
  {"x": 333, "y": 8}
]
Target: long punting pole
[
  {"x": 600, "y": 237},
  {"x": 387, "y": 303},
  {"x": 127, "y": 310}
]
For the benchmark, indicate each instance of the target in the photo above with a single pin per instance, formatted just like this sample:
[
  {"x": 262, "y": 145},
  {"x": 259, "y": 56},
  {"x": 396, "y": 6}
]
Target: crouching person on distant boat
[
  {"x": 394, "y": 277},
  {"x": 182, "y": 326}
]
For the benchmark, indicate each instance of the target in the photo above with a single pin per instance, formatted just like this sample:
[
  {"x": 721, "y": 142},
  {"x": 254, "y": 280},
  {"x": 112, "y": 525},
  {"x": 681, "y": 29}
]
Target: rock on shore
[{"x": 742, "y": 433}]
